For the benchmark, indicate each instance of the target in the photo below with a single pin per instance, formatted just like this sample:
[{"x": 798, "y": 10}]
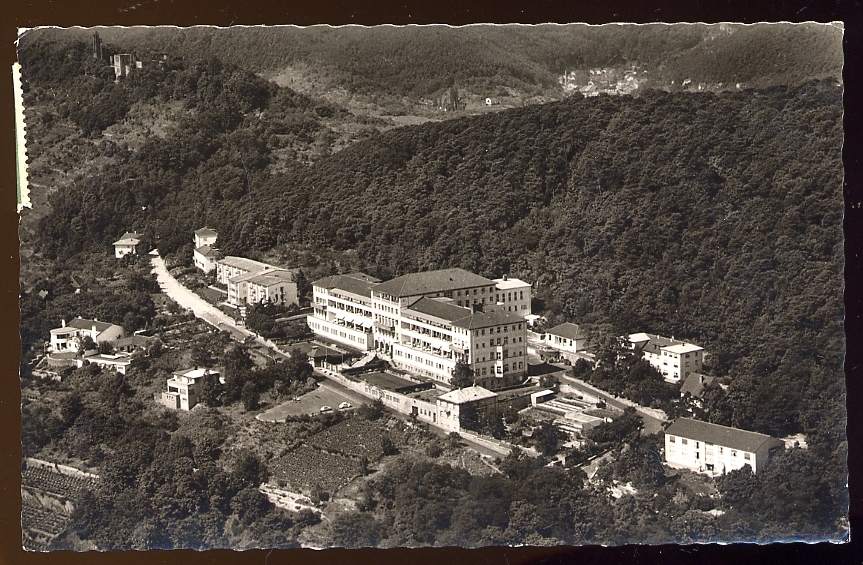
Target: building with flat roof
[
  {"x": 184, "y": 388},
  {"x": 675, "y": 359},
  {"x": 119, "y": 362},
  {"x": 710, "y": 448},
  {"x": 452, "y": 406},
  {"x": 512, "y": 295}
]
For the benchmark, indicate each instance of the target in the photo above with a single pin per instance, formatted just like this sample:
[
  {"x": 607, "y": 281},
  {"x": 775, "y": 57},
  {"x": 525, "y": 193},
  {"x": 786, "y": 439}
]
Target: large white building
[
  {"x": 253, "y": 282},
  {"x": 184, "y": 388},
  {"x": 710, "y": 448},
  {"x": 427, "y": 322},
  {"x": 675, "y": 359},
  {"x": 512, "y": 295}
]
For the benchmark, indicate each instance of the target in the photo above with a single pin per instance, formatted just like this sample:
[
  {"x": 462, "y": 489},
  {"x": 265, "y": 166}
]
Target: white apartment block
[
  {"x": 675, "y": 359},
  {"x": 252, "y": 282},
  {"x": 426, "y": 322},
  {"x": 512, "y": 295},
  {"x": 710, "y": 448},
  {"x": 184, "y": 388}
]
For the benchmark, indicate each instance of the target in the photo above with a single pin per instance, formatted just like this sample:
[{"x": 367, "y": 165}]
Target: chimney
[
  {"x": 94, "y": 331},
  {"x": 63, "y": 322},
  {"x": 477, "y": 307},
  {"x": 504, "y": 277}
]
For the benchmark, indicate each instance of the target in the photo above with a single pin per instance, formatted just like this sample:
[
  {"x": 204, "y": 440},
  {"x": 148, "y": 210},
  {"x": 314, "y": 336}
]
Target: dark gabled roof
[
  {"x": 476, "y": 320},
  {"x": 129, "y": 238},
  {"x": 209, "y": 251},
  {"x": 83, "y": 324},
  {"x": 719, "y": 435},
  {"x": 567, "y": 330},
  {"x": 444, "y": 280},
  {"x": 355, "y": 283},
  {"x": 134, "y": 340},
  {"x": 440, "y": 309},
  {"x": 695, "y": 384}
]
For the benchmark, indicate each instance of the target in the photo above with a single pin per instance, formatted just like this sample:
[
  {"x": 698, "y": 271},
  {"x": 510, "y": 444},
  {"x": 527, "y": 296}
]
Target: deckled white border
[{"x": 20, "y": 141}]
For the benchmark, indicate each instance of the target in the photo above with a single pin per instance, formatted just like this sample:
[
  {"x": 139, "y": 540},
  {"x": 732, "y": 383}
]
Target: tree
[
  {"x": 387, "y": 446},
  {"x": 548, "y": 438},
  {"x": 250, "y": 396},
  {"x": 202, "y": 358},
  {"x": 237, "y": 364},
  {"x": 371, "y": 411},
  {"x": 462, "y": 375}
]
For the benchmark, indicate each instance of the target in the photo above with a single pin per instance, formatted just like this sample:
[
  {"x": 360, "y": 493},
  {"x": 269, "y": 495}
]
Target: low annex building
[
  {"x": 119, "y": 362},
  {"x": 427, "y": 322},
  {"x": 68, "y": 337},
  {"x": 675, "y": 359},
  {"x": 127, "y": 245},
  {"x": 184, "y": 388},
  {"x": 566, "y": 337},
  {"x": 710, "y": 448},
  {"x": 451, "y": 406}
]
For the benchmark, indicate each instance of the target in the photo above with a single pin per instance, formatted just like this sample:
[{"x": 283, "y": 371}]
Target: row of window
[
  {"x": 684, "y": 441},
  {"x": 497, "y": 329},
  {"x": 504, "y": 369}
]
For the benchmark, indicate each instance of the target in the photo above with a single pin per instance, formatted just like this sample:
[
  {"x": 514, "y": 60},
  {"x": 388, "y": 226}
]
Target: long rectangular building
[{"x": 427, "y": 322}]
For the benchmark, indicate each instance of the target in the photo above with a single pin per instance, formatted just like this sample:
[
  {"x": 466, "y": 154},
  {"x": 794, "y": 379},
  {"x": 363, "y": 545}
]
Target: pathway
[{"x": 652, "y": 424}]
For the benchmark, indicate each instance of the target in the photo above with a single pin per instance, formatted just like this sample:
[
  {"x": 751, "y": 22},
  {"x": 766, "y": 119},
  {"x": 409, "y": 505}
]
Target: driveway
[
  {"x": 189, "y": 300},
  {"x": 652, "y": 424}
]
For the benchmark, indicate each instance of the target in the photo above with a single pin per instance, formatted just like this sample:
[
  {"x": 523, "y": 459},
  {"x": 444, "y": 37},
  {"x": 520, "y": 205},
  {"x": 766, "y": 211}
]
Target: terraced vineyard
[
  {"x": 306, "y": 467},
  {"x": 353, "y": 437}
]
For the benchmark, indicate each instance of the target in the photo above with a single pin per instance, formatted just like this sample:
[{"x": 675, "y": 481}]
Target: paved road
[
  {"x": 651, "y": 423},
  {"x": 188, "y": 299}
]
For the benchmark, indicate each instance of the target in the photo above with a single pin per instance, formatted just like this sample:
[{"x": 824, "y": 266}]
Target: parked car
[
  {"x": 344, "y": 405},
  {"x": 326, "y": 409}
]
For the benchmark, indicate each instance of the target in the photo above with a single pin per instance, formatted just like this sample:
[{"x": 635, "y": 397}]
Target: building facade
[
  {"x": 512, "y": 295},
  {"x": 675, "y": 359},
  {"x": 451, "y": 407},
  {"x": 206, "y": 257},
  {"x": 69, "y": 336},
  {"x": 184, "y": 388},
  {"x": 253, "y": 282},
  {"x": 566, "y": 337},
  {"x": 710, "y": 448},
  {"x": 127, "y": 245},
  {"x": 206, "y": 236},
  {"x": 426, "y": 323}
]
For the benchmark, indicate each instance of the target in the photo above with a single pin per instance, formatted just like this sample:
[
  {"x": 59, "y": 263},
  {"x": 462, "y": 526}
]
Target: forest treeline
[{"x": 422, "y": 61}]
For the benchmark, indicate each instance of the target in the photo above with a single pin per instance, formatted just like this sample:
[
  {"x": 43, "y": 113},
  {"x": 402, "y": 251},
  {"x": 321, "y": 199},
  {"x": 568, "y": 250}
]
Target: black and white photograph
[{"x": 431, "y": 286}]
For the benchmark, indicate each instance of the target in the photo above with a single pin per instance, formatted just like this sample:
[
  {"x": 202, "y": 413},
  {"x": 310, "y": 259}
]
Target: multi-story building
[
  {"x": 426, "y": 322},
  {"x": 205, "y": 236},
  {"x": 710, "y": 448},
  {"x": 450, "y": 406},
  {"x": 675, "y": 359},
  {"x": 512, "y": 295},
  {"x": 184, "y": 388},
  {"x": 69, "y": 336},
  {"x": 343, "y": 309},
  {"x": 252, "y": 282}
]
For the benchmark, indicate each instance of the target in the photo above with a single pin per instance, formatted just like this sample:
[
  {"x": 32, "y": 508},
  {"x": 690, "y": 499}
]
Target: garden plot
[
  {"x": 353, "y": 437},
  {"x": 305, "y": 467}
]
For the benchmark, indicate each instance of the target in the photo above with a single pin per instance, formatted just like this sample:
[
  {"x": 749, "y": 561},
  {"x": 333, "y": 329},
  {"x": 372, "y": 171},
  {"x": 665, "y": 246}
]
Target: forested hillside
[{"x": 418, "y": 62}]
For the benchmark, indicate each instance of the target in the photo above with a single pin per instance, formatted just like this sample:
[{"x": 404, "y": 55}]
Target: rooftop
[
  {"x": 725, "y": 436},
  {"x": 198, "y": 373},
  {"x": 354, "y": 283},
  {"x": 206, "y": 232},
  {"x": 387, "y": 381},
  {"x": 129, "y": 238},
  {"x": 695, "y": 384},
  {"x": 134, "y": 340},
  {"x": 439, "y": 309},
  {"x": 245, "y": 264},
  {"x": 507, "y": 283},
  {"x": 111, "y": 358},
  {"x": 84, "y": 324},
  {"x": 476, "y": 320},
  {"x": 208, "y": 251},
  {"x": 567, "y": 330},
  {"x": 268, "y": 278},
  {"x": 683, "y": 348},
  {"x": 465, "y": 395},
  {"x": 427, "y": 282}
]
